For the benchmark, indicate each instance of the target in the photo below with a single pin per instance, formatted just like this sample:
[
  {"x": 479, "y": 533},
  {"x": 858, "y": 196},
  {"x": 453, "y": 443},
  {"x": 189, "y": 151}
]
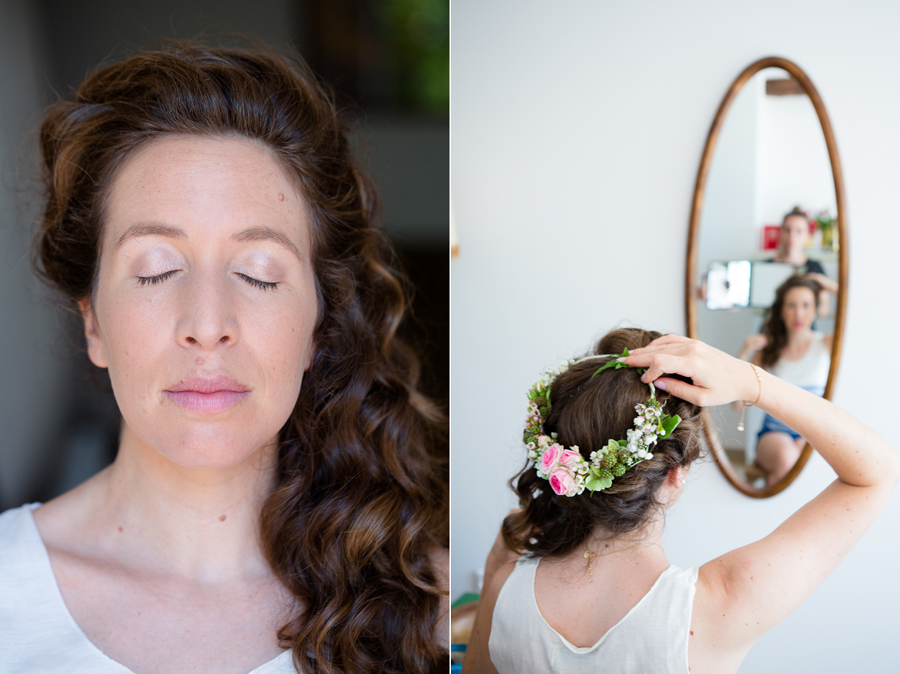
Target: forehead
[
  {"x": 799, "y": 294},
  {"x": 795, "y": 221},
  {"x": 206, "y": 186}
]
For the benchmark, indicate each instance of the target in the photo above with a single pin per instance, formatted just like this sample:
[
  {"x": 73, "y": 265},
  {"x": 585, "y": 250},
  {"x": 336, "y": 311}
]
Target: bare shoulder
[
  {"x": 712, "y": 646},
  {"x": 64, "y": 521},
  {"x": 828, "y": 340}
]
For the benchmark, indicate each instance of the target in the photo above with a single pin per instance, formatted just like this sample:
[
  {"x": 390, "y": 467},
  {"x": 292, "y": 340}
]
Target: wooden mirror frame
[{"x": 843, "y": 276}]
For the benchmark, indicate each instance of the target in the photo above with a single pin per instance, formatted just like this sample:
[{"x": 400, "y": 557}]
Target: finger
[
  {"x": 671, "y": 338},
  {"x": 658, "y": 364},
  {"x": 680, "y": 389},
  {"x": 675, "y": 348}
]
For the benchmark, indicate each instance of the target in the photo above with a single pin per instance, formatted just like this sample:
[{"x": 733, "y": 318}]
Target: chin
[
  {"x": 205, "y": 456},
  {"x": 204, "y": 445}
]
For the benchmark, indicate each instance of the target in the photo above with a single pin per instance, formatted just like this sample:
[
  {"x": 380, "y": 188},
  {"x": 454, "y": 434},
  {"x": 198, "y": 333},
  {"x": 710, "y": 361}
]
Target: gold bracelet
[{"x": 758, "y": 398}]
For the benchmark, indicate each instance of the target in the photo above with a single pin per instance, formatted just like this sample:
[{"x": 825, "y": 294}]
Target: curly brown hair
[
  {"x": 361, "y": 494},
  {"x": 774, "y": 327},
  {"x": 587, "y": 411}
]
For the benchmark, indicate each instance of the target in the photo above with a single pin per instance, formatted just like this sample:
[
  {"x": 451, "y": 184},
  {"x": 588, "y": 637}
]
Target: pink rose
[
  {"x": 562, "y": 482},
  {"x": 550, "y": 459},
  {"x": 570, "y": 459}
]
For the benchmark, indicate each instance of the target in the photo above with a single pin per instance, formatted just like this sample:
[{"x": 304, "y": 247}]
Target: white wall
[
  {"x": 794, "y": 169},
  {"x": 577, "y": 129}
]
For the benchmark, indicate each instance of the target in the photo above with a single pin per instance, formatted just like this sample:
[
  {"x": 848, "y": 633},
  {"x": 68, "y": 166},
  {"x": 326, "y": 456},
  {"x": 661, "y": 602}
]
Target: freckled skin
[{"x": 205, "y": 319}]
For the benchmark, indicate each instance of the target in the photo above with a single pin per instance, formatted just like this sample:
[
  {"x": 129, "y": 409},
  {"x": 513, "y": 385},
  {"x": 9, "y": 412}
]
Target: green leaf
[
  {"x": 669, "y": 424},
  {"x": 622, "y": 443},
  {"x": 615, "y": 364},
  {"x": 595, "y": 483}
]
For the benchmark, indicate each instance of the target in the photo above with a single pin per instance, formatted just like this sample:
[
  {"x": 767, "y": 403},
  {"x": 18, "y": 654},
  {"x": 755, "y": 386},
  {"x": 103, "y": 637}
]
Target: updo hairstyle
[
  {"x": 588, "y": 412},
  {"x": 361, "y": 494}
]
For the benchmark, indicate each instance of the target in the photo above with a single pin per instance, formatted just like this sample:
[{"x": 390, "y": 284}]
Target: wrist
[{"x": 752, "y": 385}]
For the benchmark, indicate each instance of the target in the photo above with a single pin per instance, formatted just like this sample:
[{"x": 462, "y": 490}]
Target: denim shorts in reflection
[{"x": 772, "y": 425}]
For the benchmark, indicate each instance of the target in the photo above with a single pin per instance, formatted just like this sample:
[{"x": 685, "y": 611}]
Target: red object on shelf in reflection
[{"x": 771, "y": 237}]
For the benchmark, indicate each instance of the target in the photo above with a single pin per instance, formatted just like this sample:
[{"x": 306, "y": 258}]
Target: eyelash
[
  {"x": 264, "y": 285},
  {"x": 153, "y": 280}
]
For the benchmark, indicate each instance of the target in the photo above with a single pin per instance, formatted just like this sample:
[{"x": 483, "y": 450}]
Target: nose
[{"x": 207, "y": 319}]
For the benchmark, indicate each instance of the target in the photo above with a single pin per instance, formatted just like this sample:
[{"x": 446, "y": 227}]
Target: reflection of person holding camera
[
  {"x": 792, "y": 250},
  {"x": 790, "y": 349}
]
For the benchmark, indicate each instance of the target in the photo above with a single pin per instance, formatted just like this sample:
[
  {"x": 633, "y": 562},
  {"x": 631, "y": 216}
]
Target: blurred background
[{"x": 388, "y": 60}]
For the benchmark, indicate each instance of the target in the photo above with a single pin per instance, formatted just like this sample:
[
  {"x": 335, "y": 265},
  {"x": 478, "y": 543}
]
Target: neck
[
  {"x": 201, "y": 523},
  {"x": 644, "y": 543},
  {"x": 794, "y": 257},
  {"x": 799, "y": 338}
]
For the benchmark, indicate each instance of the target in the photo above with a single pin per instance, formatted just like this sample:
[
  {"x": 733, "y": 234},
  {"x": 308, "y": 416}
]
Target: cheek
[
  {"x": 280, "y": 335},
  {"x": 135, "y": 335}
]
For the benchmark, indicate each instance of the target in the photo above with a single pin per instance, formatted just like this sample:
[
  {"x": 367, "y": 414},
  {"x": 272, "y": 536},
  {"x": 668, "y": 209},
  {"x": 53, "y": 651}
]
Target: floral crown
[{"x": 568, "y": 472}]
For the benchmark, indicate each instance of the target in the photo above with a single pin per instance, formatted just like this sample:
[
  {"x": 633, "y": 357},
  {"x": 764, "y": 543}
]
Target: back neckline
[{"x": 589, "y": 649}]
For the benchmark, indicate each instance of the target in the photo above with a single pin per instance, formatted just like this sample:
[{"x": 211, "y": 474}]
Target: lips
[{"x": 208, "y": 395}]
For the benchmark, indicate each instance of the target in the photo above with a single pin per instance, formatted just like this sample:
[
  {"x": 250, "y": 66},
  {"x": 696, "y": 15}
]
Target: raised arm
[
  {"x": 751, "y": 348},
  {"x": 744, "y": 593}
]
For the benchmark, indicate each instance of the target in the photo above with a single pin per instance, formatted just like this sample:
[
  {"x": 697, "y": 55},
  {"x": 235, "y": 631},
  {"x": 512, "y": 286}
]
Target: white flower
[
  {"x": 638, "y": 421},
  {"x": 543, "y": 441},
  {"x": 649, "y": 456}
]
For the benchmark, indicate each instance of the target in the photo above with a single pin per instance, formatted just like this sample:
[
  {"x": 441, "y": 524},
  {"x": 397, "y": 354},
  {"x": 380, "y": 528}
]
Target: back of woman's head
[
  {"x": 361, "y": 493},
  {"x": 587, "y": 411},
  {"x": 773, "y": 327}
]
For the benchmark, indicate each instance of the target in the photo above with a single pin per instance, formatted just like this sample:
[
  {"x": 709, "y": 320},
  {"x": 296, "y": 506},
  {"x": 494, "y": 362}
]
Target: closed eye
[
  {"x": 152, "y": 280},
  {"x": 265, "y": 285}
]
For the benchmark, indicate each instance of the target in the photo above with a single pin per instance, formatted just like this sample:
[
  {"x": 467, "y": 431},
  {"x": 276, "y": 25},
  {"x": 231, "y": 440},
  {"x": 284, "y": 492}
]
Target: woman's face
[
  {"x": 799, "y": 310},
  {"x": 794, "y": 233},
  {"x": 205, "y": 301}
]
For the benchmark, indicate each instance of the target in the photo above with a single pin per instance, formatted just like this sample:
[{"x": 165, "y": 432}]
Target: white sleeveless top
[
  {"x": 37, "y": 632},
  {"x": 809, "y": 372},
  {"x": 652, "y": 638}
]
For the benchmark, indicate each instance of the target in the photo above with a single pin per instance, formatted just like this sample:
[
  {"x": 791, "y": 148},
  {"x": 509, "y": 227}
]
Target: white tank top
[
  {"x": 809, "y": 372},
  {"x": 652, "y": 638},
  {"x": 37, "y": 632}
]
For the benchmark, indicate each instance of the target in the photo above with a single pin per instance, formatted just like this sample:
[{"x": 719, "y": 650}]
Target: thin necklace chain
[{"x": 589, "y": 555}]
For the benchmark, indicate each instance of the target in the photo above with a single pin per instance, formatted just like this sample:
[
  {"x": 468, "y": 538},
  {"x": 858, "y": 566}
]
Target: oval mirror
[{"x": 767, "y": 260}]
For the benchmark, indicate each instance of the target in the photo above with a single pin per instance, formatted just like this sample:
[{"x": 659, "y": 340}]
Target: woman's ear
[
  {"x": 677, "y": 476},
  {"x": 92, "y": 334}
]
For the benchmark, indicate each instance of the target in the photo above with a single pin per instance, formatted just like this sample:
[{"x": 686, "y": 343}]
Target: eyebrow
[{"x": 252, "y": 234}]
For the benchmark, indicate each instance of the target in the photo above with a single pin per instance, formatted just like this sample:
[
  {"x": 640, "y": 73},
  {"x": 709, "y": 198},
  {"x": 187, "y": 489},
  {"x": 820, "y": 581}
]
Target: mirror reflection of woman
[
  {"x": 790, "y": 349},
  {"x": 792, "y": 250},
  {"x": 278, "y": 502}
]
